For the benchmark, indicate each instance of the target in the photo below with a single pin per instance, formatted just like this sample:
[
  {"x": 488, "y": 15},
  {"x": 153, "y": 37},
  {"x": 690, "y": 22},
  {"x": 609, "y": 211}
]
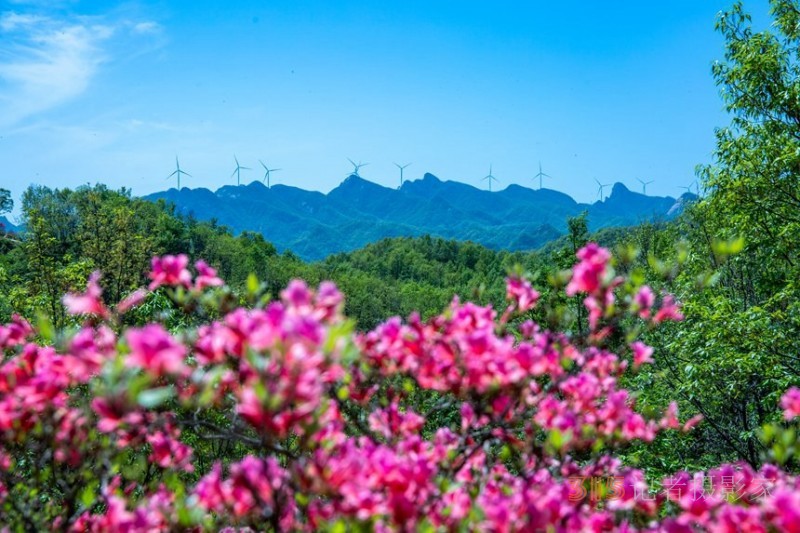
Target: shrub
[{"x": 278, "y": 416}]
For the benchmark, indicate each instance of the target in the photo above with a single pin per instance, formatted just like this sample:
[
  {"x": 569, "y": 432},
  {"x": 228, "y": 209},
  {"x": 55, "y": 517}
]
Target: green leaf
[
  {"x": 252, "y": 283},
  {"x": 87, "y": 496},
  {"x": 152, "y": 398}
]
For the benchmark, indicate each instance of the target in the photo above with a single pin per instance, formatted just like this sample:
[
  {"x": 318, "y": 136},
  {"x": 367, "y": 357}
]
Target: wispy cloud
[
  {"x": 48, "y": 61},
  {"x": 11, "y": 21},
  {"x": 146, "y": 27}
]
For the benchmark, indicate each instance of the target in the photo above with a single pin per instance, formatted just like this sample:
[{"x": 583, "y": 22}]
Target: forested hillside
[
  {"x": 72, "y": 233},
  {"x": 357, "y": 212}
]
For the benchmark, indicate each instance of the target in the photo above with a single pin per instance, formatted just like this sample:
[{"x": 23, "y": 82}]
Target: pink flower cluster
[
  {"x": 255, "y": 488},
  {"x": 521, "y": 293},
  {"x": 172, "y": 271},
  {"x": 278, "y": 371},
  {"x": 453, "y": 423},
  {"x": 594, "y": 276},
  {"x": 790, "y": 402},
  {"x": 90, "y": 302}
]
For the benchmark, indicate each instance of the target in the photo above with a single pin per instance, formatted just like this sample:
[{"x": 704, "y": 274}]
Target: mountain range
[
  {"x": 314, "y": 225},
  {"x": 7, "y": 226}
]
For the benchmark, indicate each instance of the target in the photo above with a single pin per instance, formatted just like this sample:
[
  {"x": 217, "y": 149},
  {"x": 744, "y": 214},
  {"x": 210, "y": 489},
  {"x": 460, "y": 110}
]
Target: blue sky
[{"x": 111, "y": 92}]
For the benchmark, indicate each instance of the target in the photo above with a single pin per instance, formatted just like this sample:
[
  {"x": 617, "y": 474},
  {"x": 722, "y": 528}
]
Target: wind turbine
[
  {"x": 541, "y": 175},
  {"x": 401, "y": 167},
  {"x": 644, "y": 185},
  {"x": 238, "y": 171},
  {"x": 356, "y": 167},
  {"x": 267, "y": 172},
  {"x": 490, "y": 178},
  {"x": 178, "y": 172},
  {"x": 689, "y": 188},
  {"x": 601, "y": 186}
]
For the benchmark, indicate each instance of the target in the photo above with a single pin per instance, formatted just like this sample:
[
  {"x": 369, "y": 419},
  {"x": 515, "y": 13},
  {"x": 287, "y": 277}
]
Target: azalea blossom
[
  {"x": 170, "y": 271},
  {"x": 790, "y": 402},
  {"x": 289, "y": 421},
  {"x": 88, "y": 303},
  {"x": 641, "y": 354},
  {"x": 520, "y": 291}
]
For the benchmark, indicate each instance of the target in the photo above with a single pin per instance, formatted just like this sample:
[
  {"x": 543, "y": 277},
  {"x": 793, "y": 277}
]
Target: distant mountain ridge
[
  {"x": 7, "y": 227},
  {"x": 314, "y": 225}
]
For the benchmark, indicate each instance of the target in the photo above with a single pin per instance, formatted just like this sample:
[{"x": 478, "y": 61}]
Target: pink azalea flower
[
  {"x": 170, "y": 271},
  {"x": 641, "y": 354},
  {"x": 155, "y": 351},
  {"x": 296, "y": 294},
  {"x": 669, "y": 310},
  {"x": 643, "y": 301},
  {"x": 88, "y": 303},
  {"x": 169, "y": 452},
  {"x": 391, "y": 422},
  {"x": 786, "y": 505},
  {"x": 206, "y": 276},
  {"x": 587, "y": 275},
  {"x": 328, "y": 300},
  {"x": 134, "y": 299},
  {"x": 790, "y": 403},
  {"x": 670, "y": 418},
  {"x": 519, "y": 291},
  {"x": 15, "y": 333}
]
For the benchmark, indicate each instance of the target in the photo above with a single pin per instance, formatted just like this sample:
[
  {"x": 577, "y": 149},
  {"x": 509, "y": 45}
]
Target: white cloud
[
  {"x": 49, "y": 61},
  {"x": 12, "y": 21},
  {"x": 146, "y": 27}
]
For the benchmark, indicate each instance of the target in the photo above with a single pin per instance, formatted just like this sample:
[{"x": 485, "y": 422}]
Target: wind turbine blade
[
  {"x": 234, "y": 173},
  {"x": 274, "y": 169},
  {"x": 262, "y": 164},
  {"x": 186, "y": 174},
  {"x": 351, "y": 162},
  {"x": 245, "y": 168}
]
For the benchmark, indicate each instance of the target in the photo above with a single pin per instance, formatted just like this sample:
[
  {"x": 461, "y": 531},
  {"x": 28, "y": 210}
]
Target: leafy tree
[
  {"x": 6, "y": 202},
  {"x": 737, "y": 349}
]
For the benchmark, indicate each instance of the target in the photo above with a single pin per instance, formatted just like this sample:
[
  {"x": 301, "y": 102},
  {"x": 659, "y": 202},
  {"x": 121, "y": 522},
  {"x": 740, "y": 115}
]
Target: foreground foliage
[{"x": 276, "y": 416}]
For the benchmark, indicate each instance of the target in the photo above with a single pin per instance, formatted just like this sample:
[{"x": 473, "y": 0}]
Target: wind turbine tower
[
  {"x": 601, "y": 187},
  {"x": 490, "y": 177},
  {"x": 644, "y": 185},
  {"x": 689, "y": 188},
  {"x": 541, "y": 175},
  {"x": 178, "y": 172},
  {"x": 237, "y": 172},
  {"x": 267, "y": 172},
  {"x": 356, "y": 167},
  {"x": 401, "y": 167}
]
